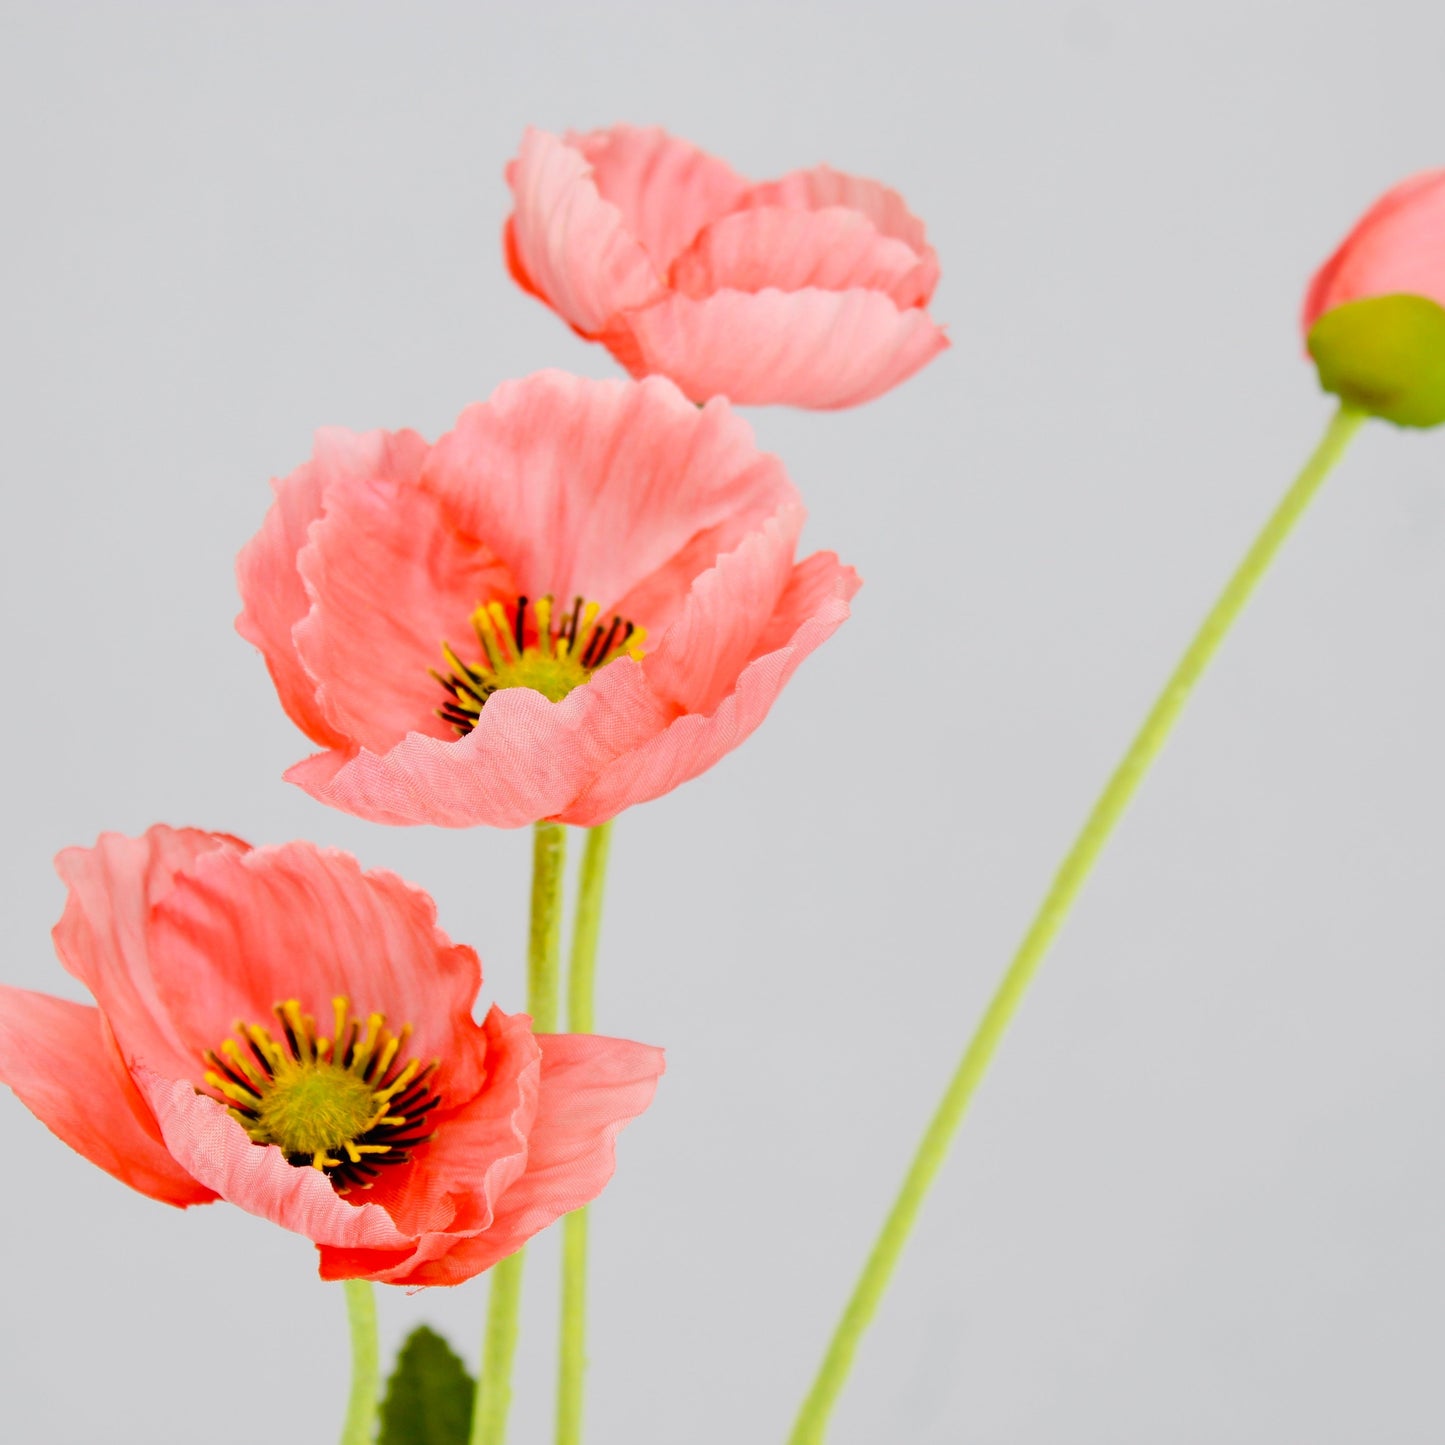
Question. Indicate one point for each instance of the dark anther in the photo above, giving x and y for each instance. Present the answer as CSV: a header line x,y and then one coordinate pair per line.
x,y
517,626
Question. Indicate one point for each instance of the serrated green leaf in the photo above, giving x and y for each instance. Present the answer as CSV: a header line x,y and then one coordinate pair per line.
x,y
1385,355
429,1396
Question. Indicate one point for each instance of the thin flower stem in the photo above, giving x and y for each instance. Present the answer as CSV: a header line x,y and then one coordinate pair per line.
x,y
813,1417
360,1426
580,977
544,963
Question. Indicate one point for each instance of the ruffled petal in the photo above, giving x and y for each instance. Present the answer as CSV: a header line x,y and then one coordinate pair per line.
x,y
591,1087
697,662
822,186
811,610
237,935
273,592
595,488
479,1151
833,248
390,581
1397,246
666,189
215,1149
526,759
62,1063
571,246
103,937
811,348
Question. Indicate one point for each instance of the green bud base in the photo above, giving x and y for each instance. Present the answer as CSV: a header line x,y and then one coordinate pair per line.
x,y
1385,356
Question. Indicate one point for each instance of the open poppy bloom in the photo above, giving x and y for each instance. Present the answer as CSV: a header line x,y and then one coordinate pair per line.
x,y
275,1027
582,596
1374,314
810,290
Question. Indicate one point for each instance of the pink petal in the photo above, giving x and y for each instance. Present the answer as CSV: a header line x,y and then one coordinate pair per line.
x,y
697,662
103,936
666,189
604,489
214,1147
572,246
822,186
811,610
812,348
526,759
1397,246
62,1064
833,248
389,582
591,1087
238,935
273,592
455,1181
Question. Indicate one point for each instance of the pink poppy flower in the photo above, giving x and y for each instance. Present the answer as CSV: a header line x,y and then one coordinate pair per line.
x,y
1374,314
809,290
275,1027
582,596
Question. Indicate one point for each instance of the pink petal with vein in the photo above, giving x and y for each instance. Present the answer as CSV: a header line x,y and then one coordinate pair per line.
x,y
604,489
834,248
526,759
812,348
390,581
813,607
237,935
666,189
103,936
215,1149
591,1088
62,1063
572,246
699,658
272,590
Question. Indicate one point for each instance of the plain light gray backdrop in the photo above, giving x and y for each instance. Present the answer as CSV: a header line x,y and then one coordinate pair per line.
x,y
1200,1197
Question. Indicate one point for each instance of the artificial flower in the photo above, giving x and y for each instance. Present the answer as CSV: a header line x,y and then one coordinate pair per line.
x,y
582,596
810,290
1374,314
278,1028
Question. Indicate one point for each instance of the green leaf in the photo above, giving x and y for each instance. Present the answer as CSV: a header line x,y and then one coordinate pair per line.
x,y
429,1396
1385,355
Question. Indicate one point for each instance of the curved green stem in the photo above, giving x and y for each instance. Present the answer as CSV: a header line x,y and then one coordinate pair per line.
x,y
573,1365
360,1426
813,1417
544,962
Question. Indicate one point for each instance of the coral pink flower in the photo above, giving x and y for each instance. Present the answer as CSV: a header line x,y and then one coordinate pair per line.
x,y
1396,248
579,598
809,290
277,1028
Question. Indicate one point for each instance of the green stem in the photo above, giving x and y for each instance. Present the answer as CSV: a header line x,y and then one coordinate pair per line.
x,y
574,1227
813,1417
360,1426
544,962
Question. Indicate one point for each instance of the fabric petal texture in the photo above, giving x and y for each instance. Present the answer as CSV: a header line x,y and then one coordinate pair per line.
x,y
846,268
810,348
281,1029
648,539
62,1063
572,247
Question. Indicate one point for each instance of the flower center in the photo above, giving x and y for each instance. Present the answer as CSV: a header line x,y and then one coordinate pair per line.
x,y
345,1104
549,651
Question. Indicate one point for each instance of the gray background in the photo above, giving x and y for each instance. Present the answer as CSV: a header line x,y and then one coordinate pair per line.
x,y
1200,1199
